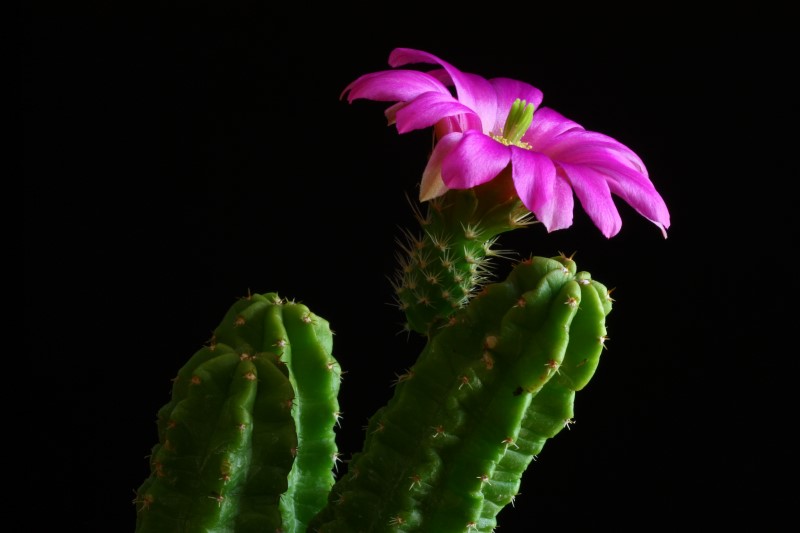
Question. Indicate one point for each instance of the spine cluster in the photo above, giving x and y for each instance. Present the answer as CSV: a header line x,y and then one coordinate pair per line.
x,y
448,260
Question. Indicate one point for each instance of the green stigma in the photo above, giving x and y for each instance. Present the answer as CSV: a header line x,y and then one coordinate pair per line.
x,y
519,120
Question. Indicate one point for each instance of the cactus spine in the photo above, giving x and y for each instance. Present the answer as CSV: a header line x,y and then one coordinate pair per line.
x,y
239,449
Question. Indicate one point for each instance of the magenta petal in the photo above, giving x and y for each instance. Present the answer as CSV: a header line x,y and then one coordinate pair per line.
x,y
391,112
619,166
592,148
473,91
432,184
508,90
563,205
595,196
428,108
477,93
393,85
534,178
639,193
475,160
546,127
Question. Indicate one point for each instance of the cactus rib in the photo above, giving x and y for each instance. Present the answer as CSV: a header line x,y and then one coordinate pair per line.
x,y
229,435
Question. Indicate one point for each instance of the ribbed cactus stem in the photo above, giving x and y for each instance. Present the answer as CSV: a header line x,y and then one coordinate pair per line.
x,y
235,433
443,264
315,376
552,409
446,453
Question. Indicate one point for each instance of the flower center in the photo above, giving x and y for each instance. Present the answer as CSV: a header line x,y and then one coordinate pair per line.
x,y
519,120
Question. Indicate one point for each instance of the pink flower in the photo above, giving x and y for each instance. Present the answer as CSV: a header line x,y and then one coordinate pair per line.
x,y
485,127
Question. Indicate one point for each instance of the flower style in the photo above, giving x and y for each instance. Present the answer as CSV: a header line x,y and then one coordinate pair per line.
x,y
487,127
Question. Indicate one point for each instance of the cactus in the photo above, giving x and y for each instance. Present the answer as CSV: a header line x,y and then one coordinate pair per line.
x,y
246,442
442,265
445,453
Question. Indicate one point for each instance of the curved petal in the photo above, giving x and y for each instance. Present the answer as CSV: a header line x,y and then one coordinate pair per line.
x,y
534,176
564,205
639,193
481,97
508,90
594,195
429,108
393,86
391,112
449,125
472,90
589,146
620,167
548,124
476,159
630,178
432,184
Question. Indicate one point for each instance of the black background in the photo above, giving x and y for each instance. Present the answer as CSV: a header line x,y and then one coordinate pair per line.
x,y
177,157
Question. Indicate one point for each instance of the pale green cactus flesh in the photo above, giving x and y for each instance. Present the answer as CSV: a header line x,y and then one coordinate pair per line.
x,y
492,385
238,449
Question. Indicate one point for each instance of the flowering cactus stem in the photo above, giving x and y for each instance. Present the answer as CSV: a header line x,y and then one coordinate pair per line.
x,y
228,438
442,266
447,452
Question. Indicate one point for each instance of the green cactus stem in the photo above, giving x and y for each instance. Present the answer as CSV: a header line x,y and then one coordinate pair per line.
x,y
315,377
552,409
238,449
446,453
443,265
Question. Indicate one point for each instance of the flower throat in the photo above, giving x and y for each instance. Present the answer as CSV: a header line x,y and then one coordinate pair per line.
x,y
517,123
